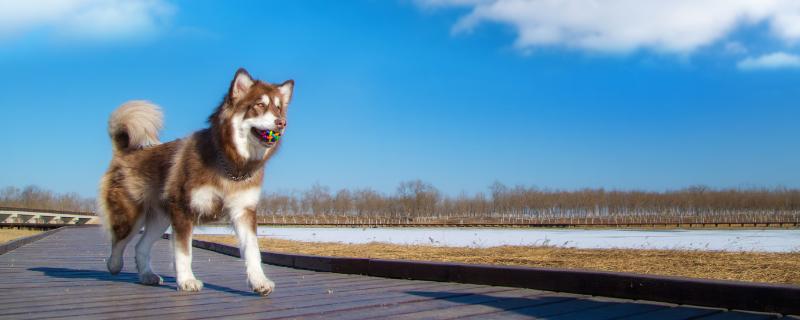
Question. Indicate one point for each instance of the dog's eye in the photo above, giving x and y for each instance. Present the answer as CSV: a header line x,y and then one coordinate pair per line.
x,y
260,105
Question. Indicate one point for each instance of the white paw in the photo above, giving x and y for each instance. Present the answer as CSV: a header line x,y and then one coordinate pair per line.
x,y
261,285
191,285
114,265
151,279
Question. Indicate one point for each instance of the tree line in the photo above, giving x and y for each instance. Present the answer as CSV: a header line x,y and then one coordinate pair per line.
x,y
420,201
33,197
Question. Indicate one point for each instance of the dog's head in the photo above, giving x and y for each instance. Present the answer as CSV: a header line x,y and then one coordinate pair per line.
x,y
251,109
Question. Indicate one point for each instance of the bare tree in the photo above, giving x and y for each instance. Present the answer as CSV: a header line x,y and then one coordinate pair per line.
x,y
419,201
34,197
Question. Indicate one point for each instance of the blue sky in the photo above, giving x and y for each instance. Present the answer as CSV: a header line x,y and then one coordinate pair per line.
x,y
456,93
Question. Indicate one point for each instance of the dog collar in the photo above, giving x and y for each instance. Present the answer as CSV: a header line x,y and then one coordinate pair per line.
x,y
229,172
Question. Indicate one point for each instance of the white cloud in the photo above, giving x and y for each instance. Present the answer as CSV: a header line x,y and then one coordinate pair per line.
x,y
86,19
619,26
776,60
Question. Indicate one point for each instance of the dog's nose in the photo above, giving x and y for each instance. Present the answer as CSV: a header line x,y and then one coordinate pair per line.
x,y
281,123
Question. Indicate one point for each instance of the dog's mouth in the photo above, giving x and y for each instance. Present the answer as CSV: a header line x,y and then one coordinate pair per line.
x,y
266,137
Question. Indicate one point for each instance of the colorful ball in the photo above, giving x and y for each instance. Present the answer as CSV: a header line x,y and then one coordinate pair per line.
x,y
270,136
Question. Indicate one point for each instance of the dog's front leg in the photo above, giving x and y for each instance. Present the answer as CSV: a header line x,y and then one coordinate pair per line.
x,y
182,226
244,222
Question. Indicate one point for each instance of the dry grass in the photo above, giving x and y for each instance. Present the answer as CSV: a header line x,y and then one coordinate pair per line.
x,y
743,266
7,235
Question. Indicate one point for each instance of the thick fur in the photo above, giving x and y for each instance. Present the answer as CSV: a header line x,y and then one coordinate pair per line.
x,y
135,125
214,173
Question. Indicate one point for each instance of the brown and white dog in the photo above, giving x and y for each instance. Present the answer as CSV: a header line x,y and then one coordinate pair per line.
x,y
215,172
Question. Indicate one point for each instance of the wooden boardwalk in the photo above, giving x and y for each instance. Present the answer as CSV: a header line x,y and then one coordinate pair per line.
x,y
64,276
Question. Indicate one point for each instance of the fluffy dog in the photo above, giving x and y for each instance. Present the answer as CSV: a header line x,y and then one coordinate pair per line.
x,y
213,173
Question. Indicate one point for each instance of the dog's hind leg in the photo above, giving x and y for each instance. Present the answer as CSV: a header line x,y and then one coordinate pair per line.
x,y
118,243
155,224
125,222
114,262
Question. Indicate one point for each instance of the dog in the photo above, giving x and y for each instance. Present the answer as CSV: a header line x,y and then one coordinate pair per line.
x,y
214,173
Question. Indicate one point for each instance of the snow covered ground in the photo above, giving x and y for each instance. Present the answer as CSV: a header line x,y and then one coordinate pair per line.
x,y
727,240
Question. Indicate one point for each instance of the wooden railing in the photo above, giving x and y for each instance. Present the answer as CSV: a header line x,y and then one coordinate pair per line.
x,y
42,219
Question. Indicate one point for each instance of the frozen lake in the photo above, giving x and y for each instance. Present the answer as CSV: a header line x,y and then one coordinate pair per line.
x,y
727,240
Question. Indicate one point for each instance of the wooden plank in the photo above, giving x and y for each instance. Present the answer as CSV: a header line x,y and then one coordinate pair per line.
x,y
494,302
292,305
102,281
154,296
675,313
366,303
391,309
477,296
611,311
284,283
546,311
316,280
738,315
202,300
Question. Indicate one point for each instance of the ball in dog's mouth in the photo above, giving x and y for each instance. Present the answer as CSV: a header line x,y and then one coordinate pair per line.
x,y
267,137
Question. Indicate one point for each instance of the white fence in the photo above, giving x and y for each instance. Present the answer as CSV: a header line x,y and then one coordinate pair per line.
x,y
9,216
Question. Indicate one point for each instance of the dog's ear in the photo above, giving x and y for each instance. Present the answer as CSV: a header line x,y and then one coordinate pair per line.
x,y
286,88
241,83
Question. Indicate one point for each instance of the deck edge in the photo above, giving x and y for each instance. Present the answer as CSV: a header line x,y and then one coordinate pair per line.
x,y
739,295
14,244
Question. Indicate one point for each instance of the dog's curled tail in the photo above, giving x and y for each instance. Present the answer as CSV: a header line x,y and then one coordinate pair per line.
x,y
135,125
